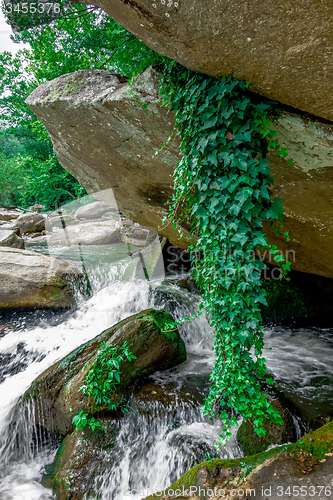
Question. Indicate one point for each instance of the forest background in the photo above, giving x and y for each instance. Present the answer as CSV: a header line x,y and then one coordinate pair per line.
x,y
84,37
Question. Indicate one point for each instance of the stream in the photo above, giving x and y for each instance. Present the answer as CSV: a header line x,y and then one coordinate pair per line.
x,y
150,453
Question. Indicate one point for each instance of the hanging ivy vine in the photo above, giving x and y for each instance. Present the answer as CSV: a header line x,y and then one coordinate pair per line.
x,y
221,189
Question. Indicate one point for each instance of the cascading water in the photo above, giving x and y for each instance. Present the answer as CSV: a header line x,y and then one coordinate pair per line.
x,y
153,449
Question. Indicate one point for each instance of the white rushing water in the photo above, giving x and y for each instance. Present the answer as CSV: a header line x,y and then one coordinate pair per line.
x,y
150,453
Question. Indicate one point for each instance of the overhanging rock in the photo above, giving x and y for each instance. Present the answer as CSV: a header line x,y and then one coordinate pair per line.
x,y
103,135
284,49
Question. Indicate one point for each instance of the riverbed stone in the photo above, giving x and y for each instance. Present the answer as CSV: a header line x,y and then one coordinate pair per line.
x,y
90,233
275,434
8,214
9,238
123,140
306,463
31,222
84,456
93,210
31,280
36,207
58,388
134,235
79,460
59,221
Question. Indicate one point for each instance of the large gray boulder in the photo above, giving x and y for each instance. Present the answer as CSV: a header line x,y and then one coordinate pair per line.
x,y
57,389
93,210
9,238
31,222
90,233
123,139
32,280
9,214
284,49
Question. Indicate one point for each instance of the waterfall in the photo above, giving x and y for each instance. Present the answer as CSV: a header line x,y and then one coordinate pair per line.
x,y
152,448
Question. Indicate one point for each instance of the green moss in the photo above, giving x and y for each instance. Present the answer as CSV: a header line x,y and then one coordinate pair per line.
x,y
240,465
317,443
161,320
69,86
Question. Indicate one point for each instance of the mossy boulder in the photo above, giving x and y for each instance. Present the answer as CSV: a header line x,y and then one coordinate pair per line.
x,y
57,390
306,463
275,434
84,456
79,461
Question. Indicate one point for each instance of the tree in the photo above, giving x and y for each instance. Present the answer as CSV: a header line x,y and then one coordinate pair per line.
x,y
82,38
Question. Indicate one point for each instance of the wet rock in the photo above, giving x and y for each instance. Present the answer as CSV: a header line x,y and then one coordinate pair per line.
x,y
94,210
31,280
9,214
307,463
12,363
79,460
85,456
285,54
135,235
59,221
58,388
275,434
9,238
93,233
150,395
123,139
31,222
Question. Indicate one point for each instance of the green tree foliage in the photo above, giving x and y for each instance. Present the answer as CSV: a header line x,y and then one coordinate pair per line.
x,y
29,170
84,37
222,190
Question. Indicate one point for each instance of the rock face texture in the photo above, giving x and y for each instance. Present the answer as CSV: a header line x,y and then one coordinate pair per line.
x,y
58,388
123,136
31,280
9,214
275,434
9,238
283,49
92,233
123,139
85,456
93,210
31,222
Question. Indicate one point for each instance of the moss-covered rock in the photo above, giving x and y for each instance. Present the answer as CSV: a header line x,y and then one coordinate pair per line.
x,y
306,463
275,434
57,390
84,456
79,461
